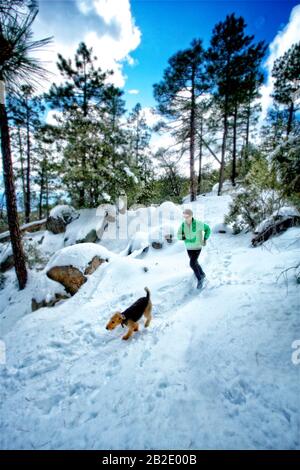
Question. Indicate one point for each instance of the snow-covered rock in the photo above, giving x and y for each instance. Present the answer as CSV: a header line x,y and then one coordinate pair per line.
x,y
139,244
70,265
60,216
46,292
90,226
78,256
64,212
283,213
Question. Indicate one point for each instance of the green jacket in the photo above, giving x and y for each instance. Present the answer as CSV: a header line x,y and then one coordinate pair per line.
x,y
193,234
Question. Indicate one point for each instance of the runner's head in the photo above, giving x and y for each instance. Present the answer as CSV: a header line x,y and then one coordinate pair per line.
x,y
187,215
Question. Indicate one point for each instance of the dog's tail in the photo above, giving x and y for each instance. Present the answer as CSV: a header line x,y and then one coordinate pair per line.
x,y
148,292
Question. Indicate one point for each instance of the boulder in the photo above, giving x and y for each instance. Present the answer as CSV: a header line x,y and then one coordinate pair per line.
x,y
71,278
277,226
91,237
157,245
70,265
169,237
94,264
55,225
60,216
221,228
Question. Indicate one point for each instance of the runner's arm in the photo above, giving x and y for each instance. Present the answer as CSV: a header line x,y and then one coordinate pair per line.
x,y
207,231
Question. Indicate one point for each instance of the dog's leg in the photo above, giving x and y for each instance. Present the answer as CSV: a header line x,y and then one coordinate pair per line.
x,y
147,314
131,326
136,327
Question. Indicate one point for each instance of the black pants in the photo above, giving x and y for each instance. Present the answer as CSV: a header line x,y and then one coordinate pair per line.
x,y
193,254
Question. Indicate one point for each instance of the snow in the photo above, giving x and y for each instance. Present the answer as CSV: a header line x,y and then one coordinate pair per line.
x,y
78,229
131,174
78,255
44,288
106,196
226,186
139,242
64,212
286,211
282,213
212,371
6,251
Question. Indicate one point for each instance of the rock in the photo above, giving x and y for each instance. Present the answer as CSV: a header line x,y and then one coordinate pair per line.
x,y
94,264
169,238
91,237
55,225
70,265
36,305
60,216
157,245
221,228
279,226
71,278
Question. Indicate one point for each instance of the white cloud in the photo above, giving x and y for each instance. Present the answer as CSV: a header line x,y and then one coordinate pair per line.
x,y
151,116
50,117
105,25
114,49
284,39
133,92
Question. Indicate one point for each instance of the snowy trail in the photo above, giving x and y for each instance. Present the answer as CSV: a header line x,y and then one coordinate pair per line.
x,y
213,370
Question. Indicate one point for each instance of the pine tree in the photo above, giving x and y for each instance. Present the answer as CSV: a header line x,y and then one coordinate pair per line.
x,y
16,65
91,132
233,69
47,166
286,72
26,110
78,100
184,81
140,156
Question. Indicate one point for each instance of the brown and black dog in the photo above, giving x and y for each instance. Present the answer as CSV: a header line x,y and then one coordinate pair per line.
x,y
132,314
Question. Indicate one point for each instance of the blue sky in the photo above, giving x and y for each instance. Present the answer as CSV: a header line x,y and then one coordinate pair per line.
x,y
168,26
137,37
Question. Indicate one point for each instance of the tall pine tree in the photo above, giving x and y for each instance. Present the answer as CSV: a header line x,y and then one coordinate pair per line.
x,y
233,69
184,81
286,72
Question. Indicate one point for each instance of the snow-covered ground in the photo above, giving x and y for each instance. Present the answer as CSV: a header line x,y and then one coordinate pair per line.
x,y
213,370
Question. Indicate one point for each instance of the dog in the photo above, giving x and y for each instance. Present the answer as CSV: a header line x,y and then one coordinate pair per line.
x,y
130,316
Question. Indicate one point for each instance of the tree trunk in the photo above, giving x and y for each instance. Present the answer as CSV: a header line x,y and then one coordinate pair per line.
x,y
290,119
193,183
12,212
221,174
248,128
200,156
233,174
41,193
22,166
27,200
47,194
